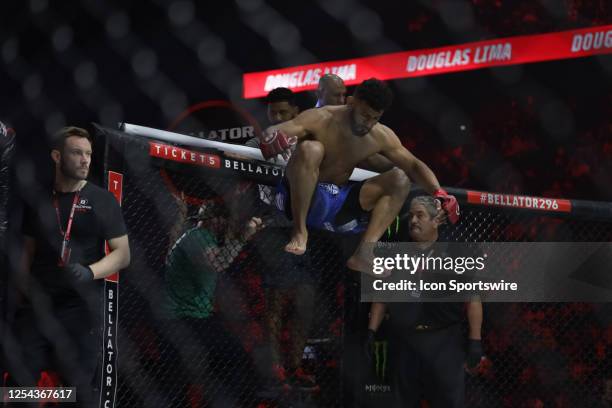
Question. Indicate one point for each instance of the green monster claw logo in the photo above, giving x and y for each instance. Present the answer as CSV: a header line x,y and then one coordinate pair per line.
x,y
380,357
397,225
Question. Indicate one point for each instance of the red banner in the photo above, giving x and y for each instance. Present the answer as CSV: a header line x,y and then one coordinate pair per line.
x,y
115,186
482,54
177,154
516,201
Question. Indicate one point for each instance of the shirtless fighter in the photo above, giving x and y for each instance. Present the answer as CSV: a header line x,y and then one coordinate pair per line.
x,y
331,141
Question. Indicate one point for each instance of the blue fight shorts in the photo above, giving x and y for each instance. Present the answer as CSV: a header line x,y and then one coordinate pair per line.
x,y
333,208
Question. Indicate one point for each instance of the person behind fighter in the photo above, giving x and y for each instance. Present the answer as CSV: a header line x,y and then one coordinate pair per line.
x,y
330,91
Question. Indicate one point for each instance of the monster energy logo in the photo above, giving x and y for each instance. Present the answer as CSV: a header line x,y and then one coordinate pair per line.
x,y
380,359
378,388
390,229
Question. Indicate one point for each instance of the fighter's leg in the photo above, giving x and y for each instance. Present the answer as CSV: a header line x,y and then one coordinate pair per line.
x,y
303,174
384,196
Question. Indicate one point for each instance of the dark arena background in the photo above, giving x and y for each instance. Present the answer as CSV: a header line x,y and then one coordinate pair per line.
x,y
536,127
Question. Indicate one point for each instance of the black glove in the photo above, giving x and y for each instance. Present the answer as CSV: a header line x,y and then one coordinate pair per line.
x,y
474,353
368,345
77,273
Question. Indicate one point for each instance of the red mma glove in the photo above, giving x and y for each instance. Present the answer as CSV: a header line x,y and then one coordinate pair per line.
x,y
449,205
276,143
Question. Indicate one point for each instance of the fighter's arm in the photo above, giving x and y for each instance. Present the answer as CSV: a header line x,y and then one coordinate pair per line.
x,y
279,139
304,124
418,171
392,149
118,258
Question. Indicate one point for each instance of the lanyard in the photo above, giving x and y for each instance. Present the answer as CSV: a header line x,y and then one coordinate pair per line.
x,y
65,252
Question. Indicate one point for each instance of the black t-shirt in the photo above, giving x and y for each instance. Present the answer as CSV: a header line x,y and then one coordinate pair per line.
x,y
436,314
97,218
405,316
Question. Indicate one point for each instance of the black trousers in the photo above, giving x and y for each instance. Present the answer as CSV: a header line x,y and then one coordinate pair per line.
x,y
66,340
429,365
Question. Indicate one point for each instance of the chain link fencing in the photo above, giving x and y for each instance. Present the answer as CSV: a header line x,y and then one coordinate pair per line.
x,y
211,319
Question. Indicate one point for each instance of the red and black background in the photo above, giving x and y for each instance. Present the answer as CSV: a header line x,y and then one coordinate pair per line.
x,y
540,129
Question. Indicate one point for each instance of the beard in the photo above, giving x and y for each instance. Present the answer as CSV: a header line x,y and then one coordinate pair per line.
x,y
72,172
356,128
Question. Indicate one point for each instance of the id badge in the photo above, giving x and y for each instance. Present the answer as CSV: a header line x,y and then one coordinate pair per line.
x,y
65,254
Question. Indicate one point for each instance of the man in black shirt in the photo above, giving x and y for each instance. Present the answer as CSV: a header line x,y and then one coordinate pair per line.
x,y
59,320
427,336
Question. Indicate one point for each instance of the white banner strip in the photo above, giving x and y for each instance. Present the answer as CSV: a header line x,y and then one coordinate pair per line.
x,y
246,151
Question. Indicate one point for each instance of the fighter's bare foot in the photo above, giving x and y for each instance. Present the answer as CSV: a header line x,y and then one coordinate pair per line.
x,y
365,264
297,244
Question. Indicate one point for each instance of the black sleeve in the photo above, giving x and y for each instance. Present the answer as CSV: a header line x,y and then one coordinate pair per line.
x,y
113,225
28,225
